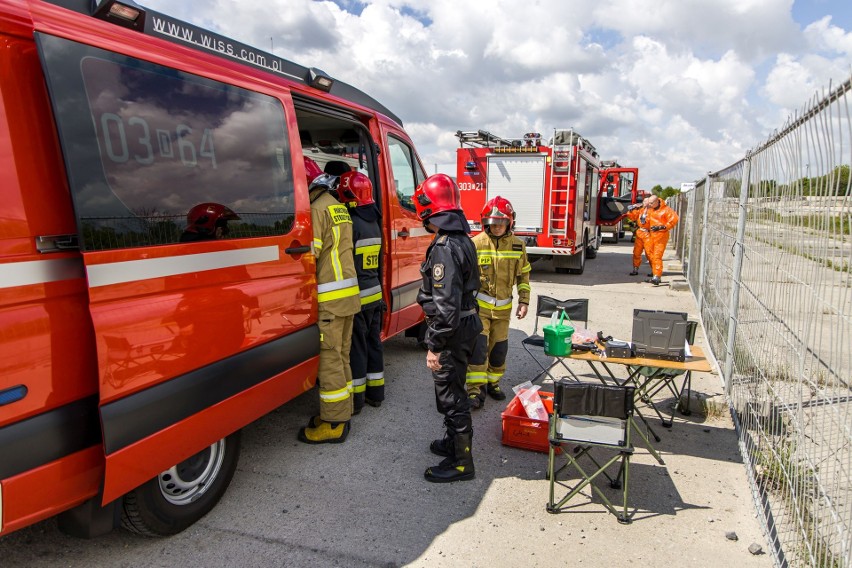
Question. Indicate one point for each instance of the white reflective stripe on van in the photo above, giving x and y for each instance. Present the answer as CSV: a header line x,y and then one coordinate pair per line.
x,y
133,270
414,232
32,272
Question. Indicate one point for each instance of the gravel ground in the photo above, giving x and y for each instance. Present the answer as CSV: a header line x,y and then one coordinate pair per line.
x,y
365,503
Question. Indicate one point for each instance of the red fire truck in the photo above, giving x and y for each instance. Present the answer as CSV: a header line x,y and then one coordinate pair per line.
x,y
619,189
553,188
131,356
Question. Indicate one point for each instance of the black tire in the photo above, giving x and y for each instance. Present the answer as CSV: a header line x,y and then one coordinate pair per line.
x,y
582,253
160,507
592,252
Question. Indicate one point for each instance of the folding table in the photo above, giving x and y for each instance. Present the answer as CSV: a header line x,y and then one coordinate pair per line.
x,y
648,386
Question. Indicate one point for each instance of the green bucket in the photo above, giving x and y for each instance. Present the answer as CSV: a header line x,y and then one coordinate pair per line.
x,y
557,337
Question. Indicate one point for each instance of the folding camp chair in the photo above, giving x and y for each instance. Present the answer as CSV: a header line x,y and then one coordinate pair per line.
x,y
577,310
651,380
592,417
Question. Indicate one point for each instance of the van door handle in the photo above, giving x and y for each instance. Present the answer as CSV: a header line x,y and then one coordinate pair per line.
x,y
298,250
403,233
56,243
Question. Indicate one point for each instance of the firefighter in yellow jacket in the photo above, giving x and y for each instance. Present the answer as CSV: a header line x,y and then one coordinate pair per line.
x,y
338,297
503,265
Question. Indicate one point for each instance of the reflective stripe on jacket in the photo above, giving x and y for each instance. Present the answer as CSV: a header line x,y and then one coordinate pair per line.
x,y
367,234
503,265
337,282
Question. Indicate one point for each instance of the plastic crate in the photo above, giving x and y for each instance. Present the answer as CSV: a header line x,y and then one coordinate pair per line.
x,y
521,431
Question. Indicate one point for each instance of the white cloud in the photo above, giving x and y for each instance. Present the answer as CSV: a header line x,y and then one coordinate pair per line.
x,y
824,37
674,87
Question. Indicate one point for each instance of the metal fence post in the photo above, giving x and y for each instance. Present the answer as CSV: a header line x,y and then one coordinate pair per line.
x,y
739,253
703,228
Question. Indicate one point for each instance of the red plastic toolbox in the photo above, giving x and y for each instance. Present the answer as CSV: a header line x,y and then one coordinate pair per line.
x,y
521,431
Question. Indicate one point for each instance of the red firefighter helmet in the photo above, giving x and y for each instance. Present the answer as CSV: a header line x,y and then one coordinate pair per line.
x,y
355,186
205,217
438,193
496,210
312,170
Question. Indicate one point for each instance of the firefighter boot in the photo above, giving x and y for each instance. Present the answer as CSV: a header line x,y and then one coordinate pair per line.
x,y
477,398
357,402
495,392
324,432
443,447
314,422
458,467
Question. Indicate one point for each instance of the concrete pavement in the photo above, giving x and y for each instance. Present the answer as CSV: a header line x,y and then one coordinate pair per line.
x,y
365,502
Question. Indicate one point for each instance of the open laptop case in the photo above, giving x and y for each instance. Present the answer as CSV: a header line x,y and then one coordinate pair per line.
x,y
659,335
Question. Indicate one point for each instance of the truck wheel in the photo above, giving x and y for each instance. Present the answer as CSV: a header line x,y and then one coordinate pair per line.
x,y
182,494
592,251
581,260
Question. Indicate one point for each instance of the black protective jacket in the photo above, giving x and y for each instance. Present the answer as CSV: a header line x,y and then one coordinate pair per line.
x,y
450,280
367,235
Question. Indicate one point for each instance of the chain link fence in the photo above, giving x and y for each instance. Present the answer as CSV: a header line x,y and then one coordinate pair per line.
x,y
767,250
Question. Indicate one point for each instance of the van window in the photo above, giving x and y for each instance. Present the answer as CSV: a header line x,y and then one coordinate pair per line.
x,y
145,144
407,173
338,143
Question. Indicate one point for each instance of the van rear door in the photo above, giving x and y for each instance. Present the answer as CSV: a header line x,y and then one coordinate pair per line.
x,y
193,238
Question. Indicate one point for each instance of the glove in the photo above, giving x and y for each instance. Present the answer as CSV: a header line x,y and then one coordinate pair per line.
x,y
656,228
634,207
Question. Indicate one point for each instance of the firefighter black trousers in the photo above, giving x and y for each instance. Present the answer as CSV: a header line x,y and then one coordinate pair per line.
x,y
450,392
366,357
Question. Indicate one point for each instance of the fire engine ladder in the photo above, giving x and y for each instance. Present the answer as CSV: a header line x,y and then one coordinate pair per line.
x,y
483,139
560,185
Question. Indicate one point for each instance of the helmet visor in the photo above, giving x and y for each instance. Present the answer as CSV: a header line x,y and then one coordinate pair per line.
x,y
495,221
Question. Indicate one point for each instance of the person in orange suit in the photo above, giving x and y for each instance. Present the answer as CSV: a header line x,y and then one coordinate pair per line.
x,y
660,220
637,214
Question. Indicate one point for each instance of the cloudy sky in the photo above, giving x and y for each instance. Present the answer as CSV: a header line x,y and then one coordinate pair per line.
x,y
676,88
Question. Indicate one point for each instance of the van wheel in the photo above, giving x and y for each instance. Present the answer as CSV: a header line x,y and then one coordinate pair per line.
x,y
182,494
